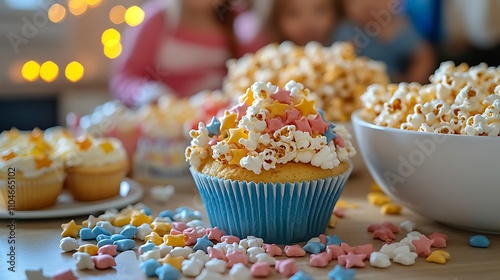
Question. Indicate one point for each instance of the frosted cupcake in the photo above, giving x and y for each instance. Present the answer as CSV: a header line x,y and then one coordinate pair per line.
x,y
95,166
31,175
271,166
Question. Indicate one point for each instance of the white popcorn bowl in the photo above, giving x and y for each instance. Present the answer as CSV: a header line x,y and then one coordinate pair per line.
x,y
357,160
451,179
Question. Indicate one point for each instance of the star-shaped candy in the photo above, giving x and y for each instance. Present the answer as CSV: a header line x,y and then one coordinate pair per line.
x,y
340,273
235,134
175,262
240,110
168,272
248,98
439,240
213,127
165,249
339,212
68,244
352,260
318,125
83,261
236,257
148,246
178,240
314,247
70,229
333,240
161,228
264,257
438,256
253,252
42,161
240,272
423,246
149,267
381,260
287,267
302,124
281,95
294,251
103,261
191,236
301,275
276,109
273,250
192,267
347,248
199,255
155,238
107,147
306,107
334,251
228,121
83,143
215,254
180,226
36,275
216,265
237,155
405,258
383,234
215,234
143,231
330,135
274,124
407,226
230,239
292,115
154,254
91,221
260,270
139,217
319,260
203,243
366,249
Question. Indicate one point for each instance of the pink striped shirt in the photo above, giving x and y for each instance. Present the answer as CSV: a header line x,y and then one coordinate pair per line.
x,y
183,60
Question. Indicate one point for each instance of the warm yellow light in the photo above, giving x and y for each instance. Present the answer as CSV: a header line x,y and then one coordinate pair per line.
x,y
49,71
117,14
57,13
110,34
77,7
74,71
30,71
112,49
94,3
134,16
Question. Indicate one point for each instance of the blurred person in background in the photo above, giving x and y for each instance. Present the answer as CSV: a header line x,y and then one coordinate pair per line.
x,y
301,21
181,49
381,31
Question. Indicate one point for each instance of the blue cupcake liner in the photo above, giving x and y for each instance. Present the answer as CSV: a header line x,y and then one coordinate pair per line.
x,y
280,213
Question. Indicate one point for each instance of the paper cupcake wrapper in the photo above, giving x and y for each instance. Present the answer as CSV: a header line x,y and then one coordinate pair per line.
x,y
280,213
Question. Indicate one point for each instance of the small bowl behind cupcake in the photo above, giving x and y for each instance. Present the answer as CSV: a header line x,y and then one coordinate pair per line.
x,y
452,179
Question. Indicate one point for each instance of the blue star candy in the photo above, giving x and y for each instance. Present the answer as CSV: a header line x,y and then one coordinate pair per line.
x,y
124,244
167,213
87,234
97,230
340,273
129,231
203,243
301,275
333,240
104,242
149,267
330,135
314,247
147,247
167,272
213,127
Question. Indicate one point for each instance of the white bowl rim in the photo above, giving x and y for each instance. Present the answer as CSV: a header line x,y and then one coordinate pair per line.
x,y
357,119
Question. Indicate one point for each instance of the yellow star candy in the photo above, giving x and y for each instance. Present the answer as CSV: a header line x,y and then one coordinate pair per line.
x,y
391,209
235,134
228,121
90,249
139,217
277,109
175,262
248,97
306,107
70,229
121,220
154,237
333,221
237,155
178,240
84,144
9,156
107,147
161,228
438,256
42,161
378,198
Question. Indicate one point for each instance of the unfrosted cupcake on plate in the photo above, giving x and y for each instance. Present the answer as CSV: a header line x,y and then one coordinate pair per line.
x,y
95,166
31,174
271,166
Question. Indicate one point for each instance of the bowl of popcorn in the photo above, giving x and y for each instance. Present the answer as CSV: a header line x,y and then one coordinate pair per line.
x,y
434,147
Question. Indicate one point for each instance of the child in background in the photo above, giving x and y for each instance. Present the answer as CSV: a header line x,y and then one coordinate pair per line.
x,y
181,48
302,21
379,31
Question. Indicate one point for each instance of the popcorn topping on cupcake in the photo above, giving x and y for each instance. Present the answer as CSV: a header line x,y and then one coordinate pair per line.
x,y
270,126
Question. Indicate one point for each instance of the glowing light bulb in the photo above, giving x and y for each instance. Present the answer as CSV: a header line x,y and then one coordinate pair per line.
x,y
134,16
49,71
56,13
117,14
74,71
94,3
112,49
77,7
30,71
110,34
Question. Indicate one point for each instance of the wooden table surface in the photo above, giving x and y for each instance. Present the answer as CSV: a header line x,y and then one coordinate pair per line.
x,y
37,244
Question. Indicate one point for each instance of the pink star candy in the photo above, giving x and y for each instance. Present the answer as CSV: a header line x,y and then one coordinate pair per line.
x,y
107,250
292,115
352,260
439,240
236,257
240,110
286,267
318,125
180,226
423,246
319,260
366,249
192,236
103,261
273,250
303,125
215,254
339,212
282,96
391,226
260,270
294,251
230,239
339,141
175,232
347,248
322,238
334,251
383,234
215,234
65,275
274,124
